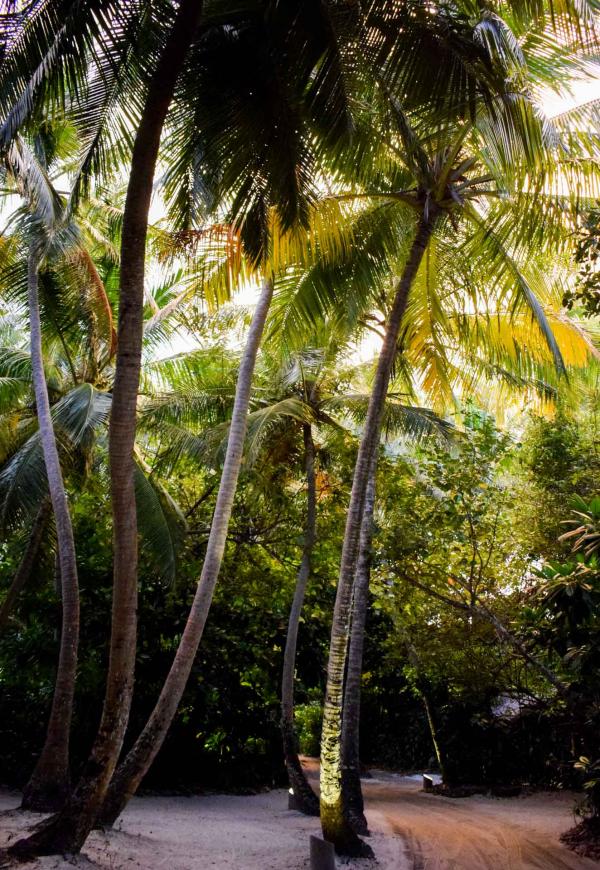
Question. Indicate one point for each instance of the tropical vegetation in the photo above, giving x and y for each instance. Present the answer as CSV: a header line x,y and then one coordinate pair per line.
x,y
299,354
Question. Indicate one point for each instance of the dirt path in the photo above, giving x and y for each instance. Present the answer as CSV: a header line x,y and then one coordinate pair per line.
x,y
477,833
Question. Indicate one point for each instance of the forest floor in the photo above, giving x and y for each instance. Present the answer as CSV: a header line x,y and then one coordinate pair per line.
x,y
411,831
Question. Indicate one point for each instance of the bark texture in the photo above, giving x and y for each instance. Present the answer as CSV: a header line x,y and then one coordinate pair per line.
x,y
352,796
27,563
335,826
307,800
137,762
49,784
68,831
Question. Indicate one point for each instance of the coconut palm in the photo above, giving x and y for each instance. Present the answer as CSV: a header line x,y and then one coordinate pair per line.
x,y
451,175
79,347
280,185
50,781
49,784
70,828
283,169
313,379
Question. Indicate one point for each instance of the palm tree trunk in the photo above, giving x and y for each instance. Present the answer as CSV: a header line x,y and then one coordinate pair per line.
x,y
137,762
49,784
434,736
415,662
352,797
27,562
68,831
306,799
335,826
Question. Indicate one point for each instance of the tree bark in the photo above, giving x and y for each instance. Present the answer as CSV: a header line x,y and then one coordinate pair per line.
x,y
352,796
27,562
68,831
49,784
307,800
137,762
334,823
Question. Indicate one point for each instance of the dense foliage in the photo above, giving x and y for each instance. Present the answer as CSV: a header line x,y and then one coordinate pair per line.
x,y
233,531
495,719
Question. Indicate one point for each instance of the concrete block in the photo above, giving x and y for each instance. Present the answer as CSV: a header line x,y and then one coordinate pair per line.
x,y
322,855
293,801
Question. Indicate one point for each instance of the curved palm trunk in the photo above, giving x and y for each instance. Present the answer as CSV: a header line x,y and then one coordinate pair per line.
x,y
49,784
137,762
27,562
306,799
352,796
68,831
335,826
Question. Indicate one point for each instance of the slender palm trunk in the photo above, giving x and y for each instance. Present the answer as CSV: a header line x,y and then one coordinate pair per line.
x,y
49,784
437,748
27,562
352,796
415,662
335,826
137,762
306,799
68,831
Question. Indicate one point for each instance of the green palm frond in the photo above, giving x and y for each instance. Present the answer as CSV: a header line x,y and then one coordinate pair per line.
x,y
79,414
161,522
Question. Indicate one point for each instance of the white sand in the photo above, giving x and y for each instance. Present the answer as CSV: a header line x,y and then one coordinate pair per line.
x,y
181,833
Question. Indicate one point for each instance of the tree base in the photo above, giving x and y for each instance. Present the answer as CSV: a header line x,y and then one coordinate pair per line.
x,y
584,838
358,823
355,849
46,793
45,802
304,798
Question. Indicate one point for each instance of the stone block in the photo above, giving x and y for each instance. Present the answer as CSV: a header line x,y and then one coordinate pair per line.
x,y
322,855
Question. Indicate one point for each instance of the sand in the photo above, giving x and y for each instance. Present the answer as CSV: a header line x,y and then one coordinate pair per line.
x,y
411,831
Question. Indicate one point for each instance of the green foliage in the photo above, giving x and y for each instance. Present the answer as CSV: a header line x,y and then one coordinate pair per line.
x,y
308,719
586,293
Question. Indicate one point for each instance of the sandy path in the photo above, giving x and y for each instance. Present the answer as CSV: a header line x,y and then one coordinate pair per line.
x,y
211,832
477,833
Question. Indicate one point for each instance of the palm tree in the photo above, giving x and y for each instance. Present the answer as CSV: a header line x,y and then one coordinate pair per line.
x,y
49,784
350,737
80,324
283,170
312,379
306,799
445,187
270,189
134,767
69,829
50,781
